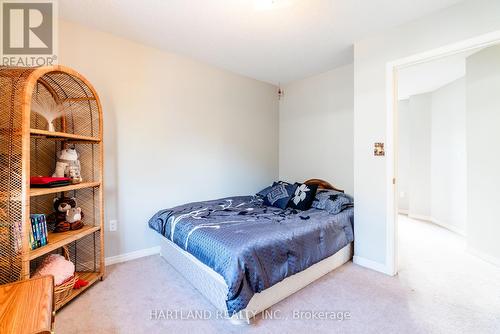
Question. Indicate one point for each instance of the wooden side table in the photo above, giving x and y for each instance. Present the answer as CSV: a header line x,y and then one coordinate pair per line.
x,y
27,306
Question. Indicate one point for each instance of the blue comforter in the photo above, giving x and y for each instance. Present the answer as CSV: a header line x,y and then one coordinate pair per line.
x,y
253,246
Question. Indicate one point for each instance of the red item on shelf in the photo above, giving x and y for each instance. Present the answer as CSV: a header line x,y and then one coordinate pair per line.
x,y
80,283
49,181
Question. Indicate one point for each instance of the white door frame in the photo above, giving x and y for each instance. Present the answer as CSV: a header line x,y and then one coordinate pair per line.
x,y
392,130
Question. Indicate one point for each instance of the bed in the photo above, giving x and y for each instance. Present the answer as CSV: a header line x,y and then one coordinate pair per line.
x,y
244,256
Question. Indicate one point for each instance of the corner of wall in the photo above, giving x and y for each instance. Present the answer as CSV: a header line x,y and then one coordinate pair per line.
x,y
377,266
131,255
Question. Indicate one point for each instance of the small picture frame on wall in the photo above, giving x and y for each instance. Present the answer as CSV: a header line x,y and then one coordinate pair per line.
x,y
379,150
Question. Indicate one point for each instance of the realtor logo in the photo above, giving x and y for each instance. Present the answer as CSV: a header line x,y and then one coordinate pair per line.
x,y
28,32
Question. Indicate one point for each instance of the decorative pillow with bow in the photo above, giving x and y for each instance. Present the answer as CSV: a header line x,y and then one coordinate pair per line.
x,y
303,196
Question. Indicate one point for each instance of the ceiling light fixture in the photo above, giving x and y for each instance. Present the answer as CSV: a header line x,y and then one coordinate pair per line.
x,y
270,4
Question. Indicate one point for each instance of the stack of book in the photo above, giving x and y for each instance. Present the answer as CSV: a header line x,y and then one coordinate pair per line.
x,y
38,232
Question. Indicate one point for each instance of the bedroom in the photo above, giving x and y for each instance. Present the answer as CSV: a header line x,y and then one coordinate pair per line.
x,y
191,113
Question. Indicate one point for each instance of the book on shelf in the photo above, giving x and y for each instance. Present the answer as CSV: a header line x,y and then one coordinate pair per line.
x,y
38,231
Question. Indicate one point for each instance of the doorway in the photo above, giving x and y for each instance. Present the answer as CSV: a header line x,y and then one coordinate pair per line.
x,y
393,72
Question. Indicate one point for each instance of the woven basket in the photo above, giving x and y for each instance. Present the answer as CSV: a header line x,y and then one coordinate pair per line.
x,y
63,291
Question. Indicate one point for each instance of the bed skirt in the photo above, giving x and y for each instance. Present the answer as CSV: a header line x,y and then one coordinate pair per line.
x,y
212,285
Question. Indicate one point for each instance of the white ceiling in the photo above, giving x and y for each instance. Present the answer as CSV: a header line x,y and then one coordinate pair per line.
x,y
289,40
430,76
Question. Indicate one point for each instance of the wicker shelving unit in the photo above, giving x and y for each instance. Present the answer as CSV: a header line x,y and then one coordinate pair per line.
x,y
27,148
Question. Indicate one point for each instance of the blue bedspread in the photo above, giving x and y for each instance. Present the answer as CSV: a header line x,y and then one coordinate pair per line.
x,y
253,246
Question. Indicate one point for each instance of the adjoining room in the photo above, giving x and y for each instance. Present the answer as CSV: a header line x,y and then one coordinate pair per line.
x,y
447,116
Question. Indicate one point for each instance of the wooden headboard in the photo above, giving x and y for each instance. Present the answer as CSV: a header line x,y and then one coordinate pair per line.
x,y
322,184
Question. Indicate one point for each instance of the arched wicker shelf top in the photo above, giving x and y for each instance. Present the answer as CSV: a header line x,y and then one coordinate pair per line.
x,y
20,87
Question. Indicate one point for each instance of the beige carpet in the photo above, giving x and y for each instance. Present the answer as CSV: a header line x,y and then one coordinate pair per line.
x,y
440,289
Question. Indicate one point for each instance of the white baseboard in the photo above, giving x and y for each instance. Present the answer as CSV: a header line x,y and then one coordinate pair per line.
x,y
449,227
420,217
437,222
483,256
403,211
377,266
132,255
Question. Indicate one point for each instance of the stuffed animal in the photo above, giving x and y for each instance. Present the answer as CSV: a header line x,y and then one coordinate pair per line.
x,y
74,218
66,215
68,165
63,270
57,266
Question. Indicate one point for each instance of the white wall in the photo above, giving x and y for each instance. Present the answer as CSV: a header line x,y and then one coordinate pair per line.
x,y
433,140
449,157
404,154
176,130
483,137
420,155
371,174
316,129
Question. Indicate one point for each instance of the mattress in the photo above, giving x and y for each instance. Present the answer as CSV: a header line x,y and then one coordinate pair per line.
x,y
213,287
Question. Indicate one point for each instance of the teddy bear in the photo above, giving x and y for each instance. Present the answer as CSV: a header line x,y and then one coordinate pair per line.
x,y
68,165
66,216
74,218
